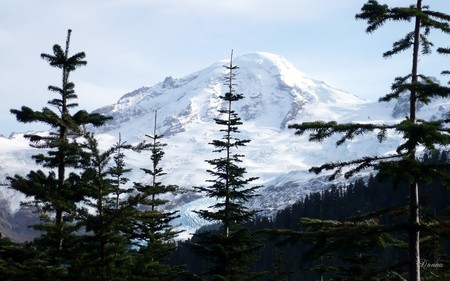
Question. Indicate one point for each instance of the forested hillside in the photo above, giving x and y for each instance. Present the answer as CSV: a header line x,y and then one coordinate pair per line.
x,y
289,255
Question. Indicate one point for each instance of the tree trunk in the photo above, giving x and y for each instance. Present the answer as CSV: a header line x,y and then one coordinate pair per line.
x,y
414,245
414,219
62,150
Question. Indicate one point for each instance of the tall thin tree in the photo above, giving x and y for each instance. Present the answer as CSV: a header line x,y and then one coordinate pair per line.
x,y
54,194
153,230
104,249
118,170
233,247
404,164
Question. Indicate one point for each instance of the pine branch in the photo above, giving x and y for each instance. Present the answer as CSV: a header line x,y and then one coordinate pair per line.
x,y
427,133
444,51
361,164
321,130
374,13
377,14
401,45
436,20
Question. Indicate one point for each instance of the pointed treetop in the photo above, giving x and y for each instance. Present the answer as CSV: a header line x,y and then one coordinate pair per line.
x,y
60,58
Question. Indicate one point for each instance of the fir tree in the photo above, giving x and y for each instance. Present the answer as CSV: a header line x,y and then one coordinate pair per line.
x,y
54,192
118,171
232,248
404,164
152,230
103,252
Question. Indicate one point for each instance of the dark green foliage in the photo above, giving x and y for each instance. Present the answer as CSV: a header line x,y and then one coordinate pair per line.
x,y
425,88
230,249
228,254
444,51
103,250
57,192
377,14
118,170
430,135
229,183
403,164
92,226
353,220
151,229
25,262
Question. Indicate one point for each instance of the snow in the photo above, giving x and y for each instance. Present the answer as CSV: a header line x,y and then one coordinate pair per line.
x,y
276,95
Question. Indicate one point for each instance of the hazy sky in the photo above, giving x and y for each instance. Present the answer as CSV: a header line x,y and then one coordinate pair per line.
x,y
132,43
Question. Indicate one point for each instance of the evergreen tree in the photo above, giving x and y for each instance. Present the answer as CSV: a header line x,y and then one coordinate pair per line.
x,y
232,248
347,237
118,171
404,164
152,231
54,192
103,251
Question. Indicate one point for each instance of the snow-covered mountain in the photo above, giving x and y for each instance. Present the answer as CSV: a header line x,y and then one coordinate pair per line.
x,y
276,94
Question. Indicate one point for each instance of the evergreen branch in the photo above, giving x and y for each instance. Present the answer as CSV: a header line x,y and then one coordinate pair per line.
x,y
389,97
391,211
60,60
426,45
57,59
343,232
405,13
377,14
425,89
426,133
321,130
374,13
401,45
444,51
436,20
27,115
76,61
56,89
361,164
82,117
438,15
396,90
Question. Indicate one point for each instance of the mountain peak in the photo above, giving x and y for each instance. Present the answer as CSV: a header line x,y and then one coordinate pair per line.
x,y
275,92
274,64
263,59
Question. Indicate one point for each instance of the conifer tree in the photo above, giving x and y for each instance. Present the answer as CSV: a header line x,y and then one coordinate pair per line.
x,y
152,228
118,171
103,249
54,192
404,164
232,248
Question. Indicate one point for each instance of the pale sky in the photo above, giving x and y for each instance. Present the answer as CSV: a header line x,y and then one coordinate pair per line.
x,y
135,43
